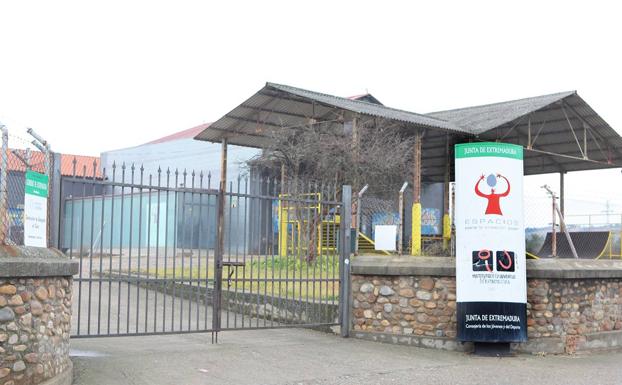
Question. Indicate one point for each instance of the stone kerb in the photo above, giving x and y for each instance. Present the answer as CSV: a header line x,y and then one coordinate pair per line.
x,y
35,315
573,306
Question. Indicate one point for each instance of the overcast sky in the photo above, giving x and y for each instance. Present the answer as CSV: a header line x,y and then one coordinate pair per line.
x,y
91,77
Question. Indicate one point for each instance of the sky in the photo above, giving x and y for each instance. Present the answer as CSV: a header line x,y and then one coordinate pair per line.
x,y
96,76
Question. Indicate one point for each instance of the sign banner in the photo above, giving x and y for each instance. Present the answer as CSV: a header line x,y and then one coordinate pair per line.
x,y
35,209
491,281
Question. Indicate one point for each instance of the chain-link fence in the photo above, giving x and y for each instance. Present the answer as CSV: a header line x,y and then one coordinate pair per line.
x,y
571,233
550,231
395,208
16,158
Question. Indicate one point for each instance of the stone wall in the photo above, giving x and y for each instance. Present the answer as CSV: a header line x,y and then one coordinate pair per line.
x,y
35,318
422,306
570,307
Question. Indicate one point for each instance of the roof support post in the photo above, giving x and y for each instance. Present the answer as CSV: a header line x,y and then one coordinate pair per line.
x,y
283,213
356,149
446,218
415,239
220,242
562,194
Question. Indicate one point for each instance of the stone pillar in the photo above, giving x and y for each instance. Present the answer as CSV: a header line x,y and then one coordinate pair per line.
x,y
35,315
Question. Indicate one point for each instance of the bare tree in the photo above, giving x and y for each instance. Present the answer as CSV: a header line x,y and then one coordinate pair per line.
x,y
379,155
373,152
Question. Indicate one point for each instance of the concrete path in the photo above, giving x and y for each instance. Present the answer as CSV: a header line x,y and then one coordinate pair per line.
x,y
294,356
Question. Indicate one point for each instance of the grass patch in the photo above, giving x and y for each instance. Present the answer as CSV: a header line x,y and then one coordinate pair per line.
x,y
285,277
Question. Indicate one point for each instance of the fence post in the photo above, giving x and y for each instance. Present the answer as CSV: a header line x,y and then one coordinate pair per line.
x,y
359,197
4,196
55,197
344,261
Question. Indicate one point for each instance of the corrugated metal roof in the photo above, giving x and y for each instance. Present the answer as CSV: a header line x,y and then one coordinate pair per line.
x,y
370,109
277,107
478,119
554,122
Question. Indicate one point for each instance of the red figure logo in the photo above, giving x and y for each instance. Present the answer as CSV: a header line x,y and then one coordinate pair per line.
x,y
494,207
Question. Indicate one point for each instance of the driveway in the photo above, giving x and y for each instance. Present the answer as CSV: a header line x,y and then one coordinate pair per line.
x,y
295,356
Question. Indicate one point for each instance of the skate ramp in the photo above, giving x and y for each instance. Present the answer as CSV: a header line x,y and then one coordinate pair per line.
x,y
588,244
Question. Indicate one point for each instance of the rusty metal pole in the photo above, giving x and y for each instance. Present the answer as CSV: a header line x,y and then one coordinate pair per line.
x,y
356,149
220,244
415,248
4,196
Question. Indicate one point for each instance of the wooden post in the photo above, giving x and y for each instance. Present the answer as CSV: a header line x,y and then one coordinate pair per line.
x,y
356,149
220,242
415,248
446,219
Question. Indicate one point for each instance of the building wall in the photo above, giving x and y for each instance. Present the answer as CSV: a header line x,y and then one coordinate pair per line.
x,y
182,154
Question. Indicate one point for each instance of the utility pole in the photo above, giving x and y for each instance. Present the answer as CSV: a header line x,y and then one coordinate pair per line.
x,y
562,224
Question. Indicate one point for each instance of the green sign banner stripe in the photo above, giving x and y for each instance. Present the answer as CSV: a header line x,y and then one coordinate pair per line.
x,y
476,150
36,184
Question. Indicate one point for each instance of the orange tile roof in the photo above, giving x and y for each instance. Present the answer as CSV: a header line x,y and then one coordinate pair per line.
x,y
82,161
37,161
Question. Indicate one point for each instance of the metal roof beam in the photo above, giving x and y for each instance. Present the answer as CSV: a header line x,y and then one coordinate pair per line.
x,y
552,159
299,99
594,129
261,109
225,132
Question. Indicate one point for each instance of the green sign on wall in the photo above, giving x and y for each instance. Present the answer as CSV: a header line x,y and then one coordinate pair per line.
x,y
35,209
36,184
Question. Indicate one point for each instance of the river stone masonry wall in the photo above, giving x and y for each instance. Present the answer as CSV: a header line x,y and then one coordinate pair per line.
x,y
35,316
573,306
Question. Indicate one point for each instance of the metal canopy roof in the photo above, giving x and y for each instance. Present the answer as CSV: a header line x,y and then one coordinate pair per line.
x,y
560,132
277,107
480,119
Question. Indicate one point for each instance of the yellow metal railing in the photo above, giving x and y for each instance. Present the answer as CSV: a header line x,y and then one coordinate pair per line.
x,y
291,227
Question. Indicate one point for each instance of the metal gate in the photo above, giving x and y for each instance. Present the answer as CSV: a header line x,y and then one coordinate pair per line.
x,y
154,260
